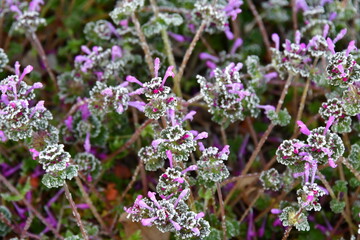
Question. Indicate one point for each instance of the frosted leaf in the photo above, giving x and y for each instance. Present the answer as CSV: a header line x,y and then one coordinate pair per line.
x,y
4,60
354,156
28,22
98,30
308,196
291,217
317,141
351,99
162,22
54,158
5,229
211,167
270,179
282,118
87,163
288,152
125,9
151,158
70,86
172,183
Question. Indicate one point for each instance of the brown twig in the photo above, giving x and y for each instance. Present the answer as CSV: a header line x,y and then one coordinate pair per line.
x,y
143,43
93,209
38,46
250,206
27,226
75,212
177,80
222,210
287,233
262,28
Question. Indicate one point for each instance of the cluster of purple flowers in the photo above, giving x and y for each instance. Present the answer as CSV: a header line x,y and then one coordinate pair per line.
x,y
228,98
22,119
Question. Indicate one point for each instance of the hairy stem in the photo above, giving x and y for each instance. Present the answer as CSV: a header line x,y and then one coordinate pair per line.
x,y
75,212
287,233
262,28
164,37
350,167
143,43
37,45
91,205
222,210
177,80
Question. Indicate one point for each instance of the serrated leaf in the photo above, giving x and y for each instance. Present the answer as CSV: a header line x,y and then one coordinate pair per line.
x,y
337,206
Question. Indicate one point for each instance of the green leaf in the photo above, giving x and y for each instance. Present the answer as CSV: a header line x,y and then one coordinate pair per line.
x,y
340,186
232,228
337,206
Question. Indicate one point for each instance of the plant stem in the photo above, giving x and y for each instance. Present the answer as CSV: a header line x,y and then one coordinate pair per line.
x,y
222,210
262,28
27,226
143,43
165,38
333,196
38,46
91,205
30,207
302,102
177,87
75,212
287,232
304,95
223,135
254,137
250,206
350,167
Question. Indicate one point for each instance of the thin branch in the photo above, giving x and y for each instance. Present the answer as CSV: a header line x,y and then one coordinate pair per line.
x,y
91,205
333,196
287,233
38,46
75,212
27,226
165,38
222,210
177,80
250,206
350,167
261,25
143,43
